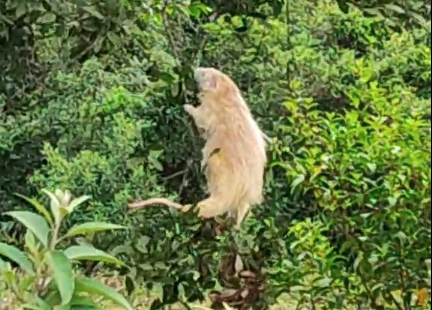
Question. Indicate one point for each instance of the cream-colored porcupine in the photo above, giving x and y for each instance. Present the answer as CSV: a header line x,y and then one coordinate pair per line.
x,y
234,155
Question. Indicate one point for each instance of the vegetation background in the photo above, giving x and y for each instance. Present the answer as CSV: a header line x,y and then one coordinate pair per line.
x,y
91,96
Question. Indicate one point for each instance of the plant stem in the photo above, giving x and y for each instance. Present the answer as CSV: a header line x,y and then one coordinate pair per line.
x,y
54,237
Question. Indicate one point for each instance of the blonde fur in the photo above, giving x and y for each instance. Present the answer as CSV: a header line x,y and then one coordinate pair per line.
x,y
234,155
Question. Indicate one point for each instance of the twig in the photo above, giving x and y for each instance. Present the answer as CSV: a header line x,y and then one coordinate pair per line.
x,y
178,173
169,34
184,181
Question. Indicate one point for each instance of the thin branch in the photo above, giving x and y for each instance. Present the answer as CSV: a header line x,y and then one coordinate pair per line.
x,y
169,34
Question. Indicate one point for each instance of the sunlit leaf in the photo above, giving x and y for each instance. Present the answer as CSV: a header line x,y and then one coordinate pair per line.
x,y
30,241
62,272
93,11
77,201
54,205
46,18
395,8
17,256
83,252
39,304
34,222
299,179
83,303
41,209
97,288
91,227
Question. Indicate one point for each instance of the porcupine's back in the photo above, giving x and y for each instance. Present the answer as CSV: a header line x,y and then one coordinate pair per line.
x,y
235,142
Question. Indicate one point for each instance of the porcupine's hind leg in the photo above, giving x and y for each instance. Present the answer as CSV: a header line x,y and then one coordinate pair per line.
x,y
212,207
241,213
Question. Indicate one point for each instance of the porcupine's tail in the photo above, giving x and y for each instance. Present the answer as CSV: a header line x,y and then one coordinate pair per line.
x,y
138,205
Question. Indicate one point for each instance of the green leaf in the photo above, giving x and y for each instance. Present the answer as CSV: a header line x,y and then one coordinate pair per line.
x,y
175,89
40,305
91,227
20,10
83,303
92,11
34,307
85,307
299,179
26,282
34,222
194,11
62,271
53,297
41,209
392,201
76,202
372,167
30,241
54,205
395,8
46,18
17,256
156,304
428,263
129,285
84,252
4,266
358,260
418,17
94,287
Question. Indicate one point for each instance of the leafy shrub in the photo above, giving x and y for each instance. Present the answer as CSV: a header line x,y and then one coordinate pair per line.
x,y
45,278
366,174
79,128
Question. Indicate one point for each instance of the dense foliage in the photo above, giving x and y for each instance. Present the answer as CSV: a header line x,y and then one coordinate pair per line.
x,y
91,100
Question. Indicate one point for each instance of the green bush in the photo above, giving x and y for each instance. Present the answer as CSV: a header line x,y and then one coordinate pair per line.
x,y
367,176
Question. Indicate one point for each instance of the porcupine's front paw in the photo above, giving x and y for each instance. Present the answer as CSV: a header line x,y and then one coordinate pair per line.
x,y
190,109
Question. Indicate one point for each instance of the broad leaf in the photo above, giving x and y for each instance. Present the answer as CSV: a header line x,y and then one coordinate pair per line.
x,y
84,252
62,271
91,227
39,305
94,287
34,222
30,241
53,297
41,209
83,303
76,202
19,257
395,8
93,11
4,266
299,179
34,307
25,283
47,18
